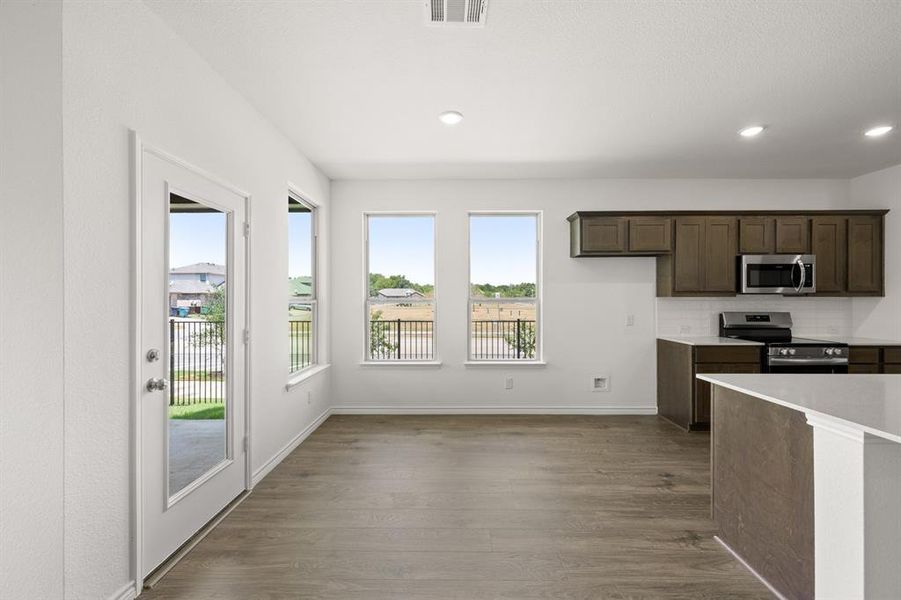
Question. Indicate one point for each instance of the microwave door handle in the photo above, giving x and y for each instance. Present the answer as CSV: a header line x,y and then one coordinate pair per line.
x,y
800,264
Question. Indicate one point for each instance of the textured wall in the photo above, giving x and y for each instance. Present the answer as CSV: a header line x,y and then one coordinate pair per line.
x,y
123,68
32,405
585,300
881,317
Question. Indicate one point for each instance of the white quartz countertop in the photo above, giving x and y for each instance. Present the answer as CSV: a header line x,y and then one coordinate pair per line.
x,y
856,341
868,403
701,340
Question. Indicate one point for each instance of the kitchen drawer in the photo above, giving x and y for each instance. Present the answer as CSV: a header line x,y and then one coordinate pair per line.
x,y
728,354
892,355
892,369
859,369
863,355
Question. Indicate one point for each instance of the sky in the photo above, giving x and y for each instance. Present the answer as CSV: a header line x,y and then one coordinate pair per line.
x,y
300,244
196,237
503,248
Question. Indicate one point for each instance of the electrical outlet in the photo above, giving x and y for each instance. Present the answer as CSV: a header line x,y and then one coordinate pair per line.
x,y
508,383
309,397
630,320
601,383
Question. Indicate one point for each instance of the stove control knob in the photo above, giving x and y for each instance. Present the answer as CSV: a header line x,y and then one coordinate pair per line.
x,y
792,351
829,351
837,352
784,351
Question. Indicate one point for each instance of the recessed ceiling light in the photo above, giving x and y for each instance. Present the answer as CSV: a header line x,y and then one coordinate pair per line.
x,y
878,131
450,117
752,131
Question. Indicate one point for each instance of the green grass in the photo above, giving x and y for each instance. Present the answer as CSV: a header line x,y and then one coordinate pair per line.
x,y
206,410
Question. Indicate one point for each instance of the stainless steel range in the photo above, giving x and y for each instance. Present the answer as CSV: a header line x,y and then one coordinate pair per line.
x,y
784,353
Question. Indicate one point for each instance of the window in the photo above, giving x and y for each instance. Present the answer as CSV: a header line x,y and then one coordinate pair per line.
x,y
302,293
400,287
504,294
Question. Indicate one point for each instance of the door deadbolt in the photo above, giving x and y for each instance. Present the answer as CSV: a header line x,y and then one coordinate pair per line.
x,y
153,355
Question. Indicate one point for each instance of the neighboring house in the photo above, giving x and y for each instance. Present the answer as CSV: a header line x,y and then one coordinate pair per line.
x,y
191,286
399,293
300,289
203,272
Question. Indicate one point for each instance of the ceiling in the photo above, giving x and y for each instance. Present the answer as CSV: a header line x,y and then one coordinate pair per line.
x,y
565,88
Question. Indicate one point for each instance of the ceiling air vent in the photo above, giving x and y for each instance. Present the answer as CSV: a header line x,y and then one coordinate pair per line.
x,y
457,12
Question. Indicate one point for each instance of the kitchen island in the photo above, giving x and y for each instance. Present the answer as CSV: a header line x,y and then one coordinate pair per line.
x,y
806,480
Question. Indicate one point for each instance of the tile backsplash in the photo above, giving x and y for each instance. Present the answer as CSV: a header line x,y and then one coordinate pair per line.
x,y
700,316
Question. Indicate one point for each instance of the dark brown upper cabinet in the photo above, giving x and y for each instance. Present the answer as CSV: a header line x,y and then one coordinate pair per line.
x,y
865,255
792,235
828,242
620,236
704,259
650,234
756,235
603,235
696,251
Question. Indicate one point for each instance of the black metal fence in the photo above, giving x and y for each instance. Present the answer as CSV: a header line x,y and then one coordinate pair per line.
x,y
503,340
399,339
196,362
301,333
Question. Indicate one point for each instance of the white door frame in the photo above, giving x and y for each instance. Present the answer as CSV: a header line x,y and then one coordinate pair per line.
x,y
138,147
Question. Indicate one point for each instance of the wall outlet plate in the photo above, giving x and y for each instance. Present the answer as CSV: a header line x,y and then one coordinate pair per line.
x,y
508,383
600,383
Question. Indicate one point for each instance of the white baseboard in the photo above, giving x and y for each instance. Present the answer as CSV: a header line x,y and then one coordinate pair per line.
x,y
126,592
494,410
289,447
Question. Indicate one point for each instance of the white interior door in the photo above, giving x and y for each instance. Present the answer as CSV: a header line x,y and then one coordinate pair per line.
x,y
192,344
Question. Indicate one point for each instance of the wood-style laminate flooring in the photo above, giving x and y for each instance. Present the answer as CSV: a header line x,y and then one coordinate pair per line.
x,y
474,507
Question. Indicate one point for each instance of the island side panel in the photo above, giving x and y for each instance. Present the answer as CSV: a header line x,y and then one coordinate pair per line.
x,y
674,382
762,486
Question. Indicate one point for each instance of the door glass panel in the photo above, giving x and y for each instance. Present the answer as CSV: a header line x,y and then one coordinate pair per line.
x,y
198,244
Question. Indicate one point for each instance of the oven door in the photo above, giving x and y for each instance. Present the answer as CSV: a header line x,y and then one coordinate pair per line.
x,y
787,274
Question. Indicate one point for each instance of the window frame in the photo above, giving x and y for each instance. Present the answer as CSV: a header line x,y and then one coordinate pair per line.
x,y
368,302
313,300
539,288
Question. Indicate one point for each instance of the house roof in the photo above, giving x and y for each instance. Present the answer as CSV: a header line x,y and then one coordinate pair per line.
x,y
300,286
398,293
202,267
191,287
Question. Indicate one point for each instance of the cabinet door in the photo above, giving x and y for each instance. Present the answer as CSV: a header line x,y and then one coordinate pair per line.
x,y
792,235
603,234
756,235
829,244
864,254
892,369
650,234
688,261
863,369
721,246
703,389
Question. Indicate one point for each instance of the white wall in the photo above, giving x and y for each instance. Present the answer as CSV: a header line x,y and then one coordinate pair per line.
x,y
881,317
31,322
124,68
585,300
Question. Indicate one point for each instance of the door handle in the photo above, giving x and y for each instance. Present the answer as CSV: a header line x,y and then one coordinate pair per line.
x,y
800,264
157,384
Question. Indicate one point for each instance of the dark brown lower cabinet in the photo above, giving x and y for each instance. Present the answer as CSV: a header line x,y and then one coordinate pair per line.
x,y
874,359
681,397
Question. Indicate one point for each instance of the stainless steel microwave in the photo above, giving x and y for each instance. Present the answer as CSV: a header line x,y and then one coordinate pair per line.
x,y
788,274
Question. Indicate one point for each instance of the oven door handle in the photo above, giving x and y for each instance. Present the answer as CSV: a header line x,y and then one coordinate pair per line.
x,y
806,361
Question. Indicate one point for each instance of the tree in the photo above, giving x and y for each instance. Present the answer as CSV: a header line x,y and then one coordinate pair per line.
x,y
379,345
522,339
213,332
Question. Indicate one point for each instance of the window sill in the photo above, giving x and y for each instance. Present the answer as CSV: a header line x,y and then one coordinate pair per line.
x,y
505,363
400,363
303,375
